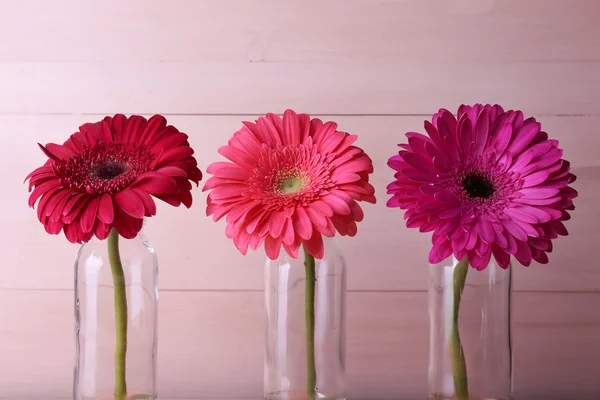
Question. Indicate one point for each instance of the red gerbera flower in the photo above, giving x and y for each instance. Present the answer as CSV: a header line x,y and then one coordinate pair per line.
x,y
290,182
104,175
486,183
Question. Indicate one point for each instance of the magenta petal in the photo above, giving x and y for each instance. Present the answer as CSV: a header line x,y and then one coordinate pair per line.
x,y
485,232
518,214
535,178
450,213
514,229
502,137
419,176
481,132
539,193
524,137
523,254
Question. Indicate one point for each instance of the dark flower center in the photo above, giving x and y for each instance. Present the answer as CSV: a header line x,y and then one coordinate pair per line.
x,y
108,170
104,167
478,186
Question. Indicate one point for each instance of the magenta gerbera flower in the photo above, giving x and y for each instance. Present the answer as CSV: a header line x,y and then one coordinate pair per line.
x,y
289,182
106,175
486,183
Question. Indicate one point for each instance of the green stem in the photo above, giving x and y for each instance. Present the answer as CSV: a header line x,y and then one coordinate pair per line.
x,y
311,374
120,295
457,356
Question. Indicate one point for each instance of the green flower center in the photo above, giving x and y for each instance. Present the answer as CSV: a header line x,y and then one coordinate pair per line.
x,y
291,185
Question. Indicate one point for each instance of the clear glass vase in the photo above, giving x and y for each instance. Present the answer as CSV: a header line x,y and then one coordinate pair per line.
x,y
305,302
470,344
116,304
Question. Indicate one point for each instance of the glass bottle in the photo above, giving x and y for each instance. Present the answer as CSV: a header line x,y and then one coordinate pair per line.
x,y
470,344
289,373
108,368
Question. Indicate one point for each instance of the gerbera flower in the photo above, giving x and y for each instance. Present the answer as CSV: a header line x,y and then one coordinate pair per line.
x,y
288,183
105,175
487,183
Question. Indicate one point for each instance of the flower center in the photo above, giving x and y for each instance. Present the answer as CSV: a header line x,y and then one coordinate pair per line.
x,y
104,167
291,185
108,170
478,186
290,176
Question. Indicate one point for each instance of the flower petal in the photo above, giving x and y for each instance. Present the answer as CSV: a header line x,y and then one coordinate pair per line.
x,y
130,203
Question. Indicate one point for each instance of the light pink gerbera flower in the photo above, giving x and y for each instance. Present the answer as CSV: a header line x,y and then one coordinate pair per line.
x,y
290,182
487,183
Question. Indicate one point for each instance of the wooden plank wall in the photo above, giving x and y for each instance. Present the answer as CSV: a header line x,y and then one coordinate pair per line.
x,y
378,68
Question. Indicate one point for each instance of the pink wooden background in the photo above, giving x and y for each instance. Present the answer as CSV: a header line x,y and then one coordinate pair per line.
x,y
378,67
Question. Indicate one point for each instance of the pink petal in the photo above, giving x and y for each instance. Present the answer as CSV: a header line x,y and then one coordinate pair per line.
x,y
318,219
302,224
338,205
341,178
276,223
268,132
291,128
322,207
358,164
288,235
314,246
272,247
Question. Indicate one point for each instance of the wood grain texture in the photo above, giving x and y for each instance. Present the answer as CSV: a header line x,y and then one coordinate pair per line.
x,y
361,87
405,57
293,31
195,254
378,67
210,345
